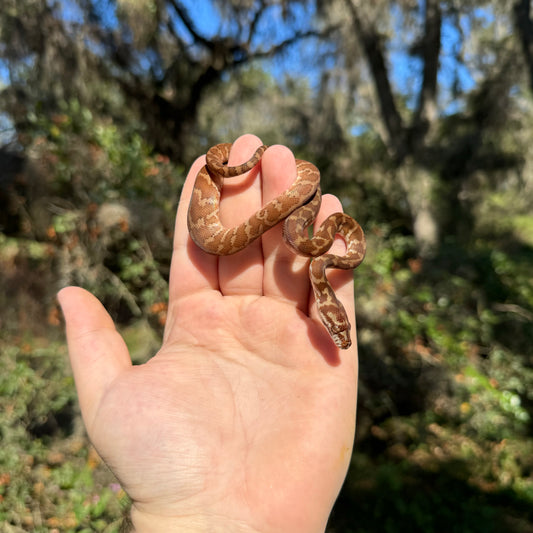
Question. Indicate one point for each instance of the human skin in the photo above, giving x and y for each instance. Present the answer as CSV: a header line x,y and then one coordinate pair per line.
x,y
244,419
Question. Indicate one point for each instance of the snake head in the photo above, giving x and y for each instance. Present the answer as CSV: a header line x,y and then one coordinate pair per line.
x,y
342,339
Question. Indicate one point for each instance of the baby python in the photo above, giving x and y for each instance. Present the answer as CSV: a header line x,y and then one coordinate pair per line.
x,y
297,207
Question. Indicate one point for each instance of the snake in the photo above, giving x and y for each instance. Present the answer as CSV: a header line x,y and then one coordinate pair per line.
x,y
297,207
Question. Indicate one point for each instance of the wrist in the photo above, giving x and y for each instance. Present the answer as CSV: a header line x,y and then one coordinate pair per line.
x,y
147,523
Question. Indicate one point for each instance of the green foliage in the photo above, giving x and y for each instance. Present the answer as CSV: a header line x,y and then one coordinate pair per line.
x,y
491,412
456,358
112,208
49,479
402,497
97,160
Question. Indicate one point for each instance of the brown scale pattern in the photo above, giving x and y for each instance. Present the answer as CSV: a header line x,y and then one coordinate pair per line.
x,y
298,207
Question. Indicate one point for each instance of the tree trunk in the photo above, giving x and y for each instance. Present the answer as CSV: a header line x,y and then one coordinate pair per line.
x,y
407,143
524,27
419,186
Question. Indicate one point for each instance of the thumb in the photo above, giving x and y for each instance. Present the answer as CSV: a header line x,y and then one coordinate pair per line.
x,y
97,352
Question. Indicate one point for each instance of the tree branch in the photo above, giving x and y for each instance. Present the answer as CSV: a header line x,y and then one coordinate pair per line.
x,y
187,21
299,35
255,21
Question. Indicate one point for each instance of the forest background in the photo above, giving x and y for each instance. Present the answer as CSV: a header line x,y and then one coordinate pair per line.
x,y
418,114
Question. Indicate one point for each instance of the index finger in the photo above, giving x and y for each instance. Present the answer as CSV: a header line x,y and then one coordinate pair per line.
x,y
191,269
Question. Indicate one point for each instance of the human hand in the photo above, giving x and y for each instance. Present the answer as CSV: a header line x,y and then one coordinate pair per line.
x,y
244,420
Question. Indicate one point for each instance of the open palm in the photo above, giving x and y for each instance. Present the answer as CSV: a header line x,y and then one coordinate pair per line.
x,y
244,419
